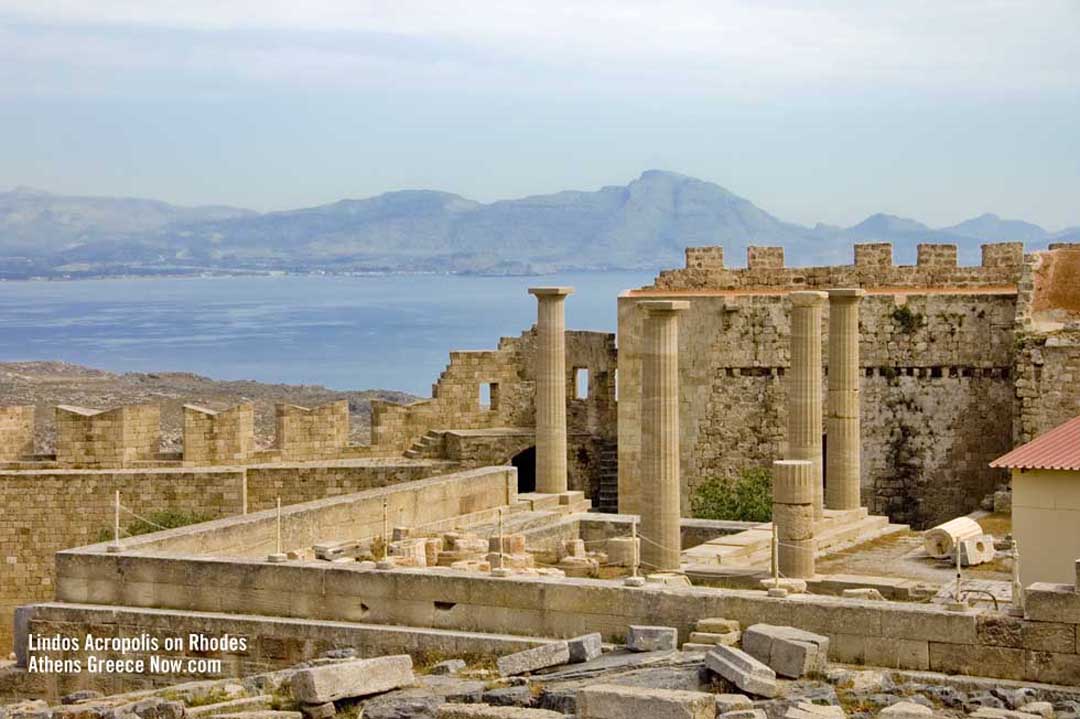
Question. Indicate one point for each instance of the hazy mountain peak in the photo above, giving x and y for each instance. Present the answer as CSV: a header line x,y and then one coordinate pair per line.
x,y
990,227
886,223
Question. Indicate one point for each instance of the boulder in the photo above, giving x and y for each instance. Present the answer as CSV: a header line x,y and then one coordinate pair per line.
x,y
541,657
610,701
357,678
742,670
651,639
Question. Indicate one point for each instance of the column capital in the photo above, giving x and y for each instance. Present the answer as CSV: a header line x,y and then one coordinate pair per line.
x,y
840,294
807,298
663,306
546,292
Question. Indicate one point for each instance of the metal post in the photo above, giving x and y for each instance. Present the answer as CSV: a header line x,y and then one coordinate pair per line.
x,y
384,562
279,555
1017,586
775,556
501,570
634,580
115,546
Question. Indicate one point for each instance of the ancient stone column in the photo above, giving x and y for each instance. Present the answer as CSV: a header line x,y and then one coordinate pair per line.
x,y
661,540
804,386
843,454
551,388
793,516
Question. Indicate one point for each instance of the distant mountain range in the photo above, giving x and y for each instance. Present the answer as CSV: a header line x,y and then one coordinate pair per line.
x,y
643,225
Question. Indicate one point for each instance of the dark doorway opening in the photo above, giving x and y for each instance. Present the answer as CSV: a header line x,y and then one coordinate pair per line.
x,y
525,461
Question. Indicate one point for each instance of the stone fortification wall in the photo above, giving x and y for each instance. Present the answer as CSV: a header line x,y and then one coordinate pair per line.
x,y
937,393
318,433
116,437
302,482
43,512
226,437
16,433
1041,646
510,370
873,266
1048,342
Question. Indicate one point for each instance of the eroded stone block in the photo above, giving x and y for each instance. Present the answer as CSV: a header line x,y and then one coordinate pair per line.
x,y
608,701
651,639
545,655
358,678
742,670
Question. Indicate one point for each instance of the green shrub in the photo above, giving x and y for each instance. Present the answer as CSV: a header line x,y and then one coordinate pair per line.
x,y
167,518
747,499
909,321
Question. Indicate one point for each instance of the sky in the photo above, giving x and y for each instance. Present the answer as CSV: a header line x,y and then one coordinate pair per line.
x,y
816,111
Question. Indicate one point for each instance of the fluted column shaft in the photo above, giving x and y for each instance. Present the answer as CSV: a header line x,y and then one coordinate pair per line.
x,y
660,483
551,388
804,387
793,517
842,425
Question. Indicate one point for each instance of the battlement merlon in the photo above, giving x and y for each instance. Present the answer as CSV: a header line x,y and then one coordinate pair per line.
x,y
873,267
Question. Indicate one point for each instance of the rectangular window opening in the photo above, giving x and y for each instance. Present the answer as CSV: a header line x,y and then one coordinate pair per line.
x,y
489,395
581,383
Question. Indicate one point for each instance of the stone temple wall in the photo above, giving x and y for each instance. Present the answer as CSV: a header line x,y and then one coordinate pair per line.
x,y
937,377
510,371
16,433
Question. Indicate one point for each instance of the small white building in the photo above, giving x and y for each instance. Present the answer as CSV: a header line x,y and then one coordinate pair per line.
x,y
1046,504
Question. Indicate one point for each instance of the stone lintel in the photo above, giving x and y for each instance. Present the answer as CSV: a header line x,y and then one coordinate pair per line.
x,y
808,298
664,305
551,291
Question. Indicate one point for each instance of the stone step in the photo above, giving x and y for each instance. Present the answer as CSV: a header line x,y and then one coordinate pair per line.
x,y
539,501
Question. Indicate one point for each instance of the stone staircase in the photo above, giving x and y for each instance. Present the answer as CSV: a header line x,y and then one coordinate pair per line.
x,y
607,496
430,446
753,548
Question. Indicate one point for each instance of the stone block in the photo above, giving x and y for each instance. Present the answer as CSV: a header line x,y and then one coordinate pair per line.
x,y
609,701
541,657
326,710
732,702
742,670
331,682
1045,602
905,710
806,710
450,666
977,550
730,639
585,648
651,639
717,625
790,652
484,711
865,593
745,714
622,551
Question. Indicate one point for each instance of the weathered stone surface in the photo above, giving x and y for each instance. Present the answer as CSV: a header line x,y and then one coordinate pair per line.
x,y
905,710
610,701
482,711
262,714
546,655
789,651
326,710
717,625
1043,709
80,696
585,648
732,702
650,639
742,670
450,666
992,713
806,710
745,714
352,679
730,639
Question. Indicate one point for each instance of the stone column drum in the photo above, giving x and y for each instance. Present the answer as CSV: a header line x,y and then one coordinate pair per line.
x,y
842,426
804,387
551,388
661,540
793,516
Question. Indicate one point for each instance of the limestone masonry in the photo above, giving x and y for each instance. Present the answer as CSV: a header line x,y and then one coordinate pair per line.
x,y
530,518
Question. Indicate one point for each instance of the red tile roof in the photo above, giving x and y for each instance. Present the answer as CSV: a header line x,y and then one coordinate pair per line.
x,y
1057,449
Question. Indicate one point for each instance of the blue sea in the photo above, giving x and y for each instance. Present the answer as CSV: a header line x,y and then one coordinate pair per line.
x,y
375,332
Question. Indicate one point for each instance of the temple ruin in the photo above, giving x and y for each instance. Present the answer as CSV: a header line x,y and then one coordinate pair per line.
x,y
876,395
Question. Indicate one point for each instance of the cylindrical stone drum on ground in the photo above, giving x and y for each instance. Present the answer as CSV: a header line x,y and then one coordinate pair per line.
x,y
940,542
